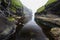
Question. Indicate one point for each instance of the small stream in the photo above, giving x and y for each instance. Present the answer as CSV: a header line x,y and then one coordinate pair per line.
x,y
32,31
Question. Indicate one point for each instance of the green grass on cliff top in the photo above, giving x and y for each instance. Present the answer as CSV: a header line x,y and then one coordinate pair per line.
x,y
18,3
43,7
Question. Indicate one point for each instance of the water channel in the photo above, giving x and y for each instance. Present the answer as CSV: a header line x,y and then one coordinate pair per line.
x,y
32,31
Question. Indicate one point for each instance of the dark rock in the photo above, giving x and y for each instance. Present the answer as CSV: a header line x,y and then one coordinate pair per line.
x,y
49,18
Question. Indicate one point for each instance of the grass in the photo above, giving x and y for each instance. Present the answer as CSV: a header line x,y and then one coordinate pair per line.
x,y
51,1
43,7
16,3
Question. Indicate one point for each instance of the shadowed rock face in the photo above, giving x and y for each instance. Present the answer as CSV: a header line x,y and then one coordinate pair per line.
x,y
49,18
55,32
51,14
6,28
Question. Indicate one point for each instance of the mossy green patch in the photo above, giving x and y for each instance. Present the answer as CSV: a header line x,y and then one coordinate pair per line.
x,y
41,9
16,3
13,9
50,1
11,19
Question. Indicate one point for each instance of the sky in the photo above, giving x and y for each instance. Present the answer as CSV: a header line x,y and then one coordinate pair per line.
x,y
33,4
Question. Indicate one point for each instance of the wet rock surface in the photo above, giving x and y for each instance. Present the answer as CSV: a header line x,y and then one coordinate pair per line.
x,y
12,20
49,19
10,15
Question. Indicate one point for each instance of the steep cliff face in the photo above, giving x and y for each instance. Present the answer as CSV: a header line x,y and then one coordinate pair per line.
x,y
11,8
52,12
43,7
10,12
49,17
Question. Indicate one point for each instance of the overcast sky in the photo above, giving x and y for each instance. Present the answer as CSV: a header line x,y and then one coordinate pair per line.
x,y
33,4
